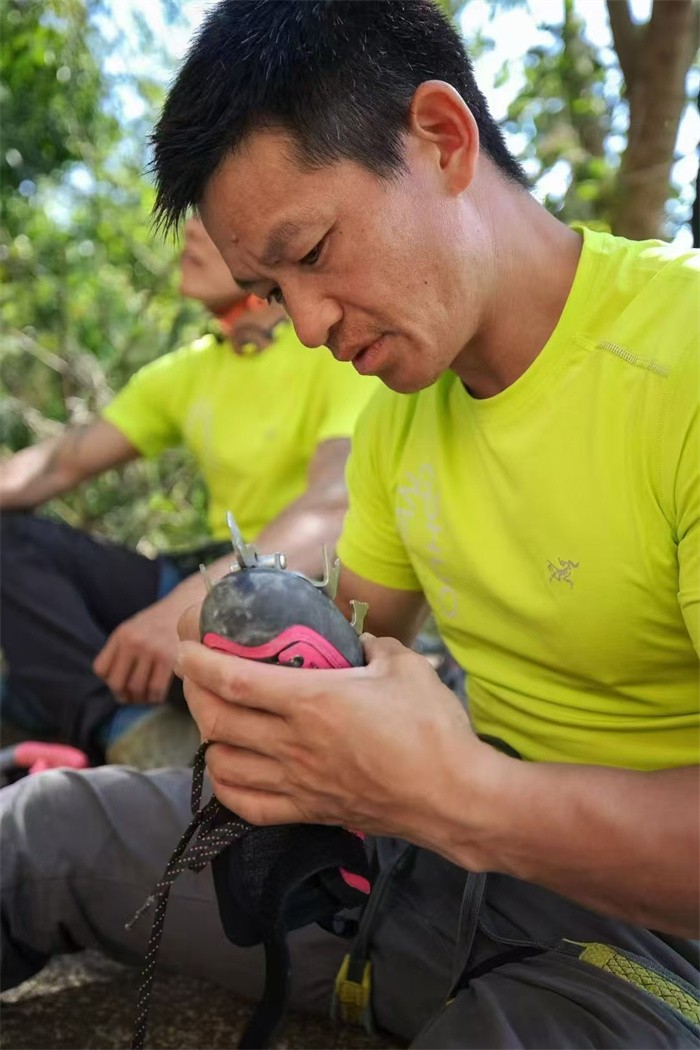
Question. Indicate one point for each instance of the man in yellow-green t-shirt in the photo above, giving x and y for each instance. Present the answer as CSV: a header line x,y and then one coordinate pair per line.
x,y
89,628
531,473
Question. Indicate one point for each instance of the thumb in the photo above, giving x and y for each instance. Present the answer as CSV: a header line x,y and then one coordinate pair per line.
x,y
375,647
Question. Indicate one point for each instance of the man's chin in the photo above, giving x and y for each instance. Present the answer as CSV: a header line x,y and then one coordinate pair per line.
x,y
401,381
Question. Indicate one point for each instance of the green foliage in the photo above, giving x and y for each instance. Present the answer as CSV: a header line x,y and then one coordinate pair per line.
x,y
49,91
567,109
88,294
569,115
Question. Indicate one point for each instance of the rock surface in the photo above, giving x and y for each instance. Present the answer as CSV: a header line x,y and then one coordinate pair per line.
x,y
87,1001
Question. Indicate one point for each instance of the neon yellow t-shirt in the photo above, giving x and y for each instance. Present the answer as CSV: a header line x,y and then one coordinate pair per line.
x,y
555,528
253,422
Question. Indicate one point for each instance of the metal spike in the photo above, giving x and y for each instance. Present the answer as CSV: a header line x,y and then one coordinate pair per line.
x,y
359,611
323,582
246,554
207,581
331,587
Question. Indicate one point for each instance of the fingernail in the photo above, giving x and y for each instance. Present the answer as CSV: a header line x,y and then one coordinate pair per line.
x,y
177,666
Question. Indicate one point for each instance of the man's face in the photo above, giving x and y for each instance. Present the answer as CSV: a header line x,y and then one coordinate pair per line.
x,y
373,269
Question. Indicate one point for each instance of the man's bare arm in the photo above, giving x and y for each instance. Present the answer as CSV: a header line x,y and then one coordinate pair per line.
x,y
392,613
300,531
621,842
58,464
316,517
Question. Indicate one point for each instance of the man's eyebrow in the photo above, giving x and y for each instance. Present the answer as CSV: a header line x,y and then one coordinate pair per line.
x,y
275,249
278,241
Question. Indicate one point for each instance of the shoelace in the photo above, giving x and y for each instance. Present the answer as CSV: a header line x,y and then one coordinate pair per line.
x,y
210,842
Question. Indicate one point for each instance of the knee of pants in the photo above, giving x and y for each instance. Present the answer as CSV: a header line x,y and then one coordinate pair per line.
x,y
22,536
14,526
38,815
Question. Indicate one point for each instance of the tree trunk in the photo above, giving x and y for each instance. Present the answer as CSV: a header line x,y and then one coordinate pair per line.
x,y
655,59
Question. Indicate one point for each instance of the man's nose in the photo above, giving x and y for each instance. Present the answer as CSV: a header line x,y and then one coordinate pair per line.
x,y
313,315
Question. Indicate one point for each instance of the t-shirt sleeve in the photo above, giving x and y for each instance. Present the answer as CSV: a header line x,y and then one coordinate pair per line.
x,y
683,448
370,544
346,394
146,409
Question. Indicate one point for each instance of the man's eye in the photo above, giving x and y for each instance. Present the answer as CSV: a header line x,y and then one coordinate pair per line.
x,y
313,256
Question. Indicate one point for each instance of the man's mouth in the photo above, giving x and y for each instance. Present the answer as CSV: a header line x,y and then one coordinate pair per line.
x,y
368,360
365,358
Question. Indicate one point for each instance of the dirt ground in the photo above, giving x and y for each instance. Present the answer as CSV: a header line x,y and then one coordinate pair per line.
x,y
85,1001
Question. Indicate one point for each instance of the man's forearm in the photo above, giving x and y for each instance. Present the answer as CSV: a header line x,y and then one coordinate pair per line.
x,y
302,529
620,842
31,477
57,464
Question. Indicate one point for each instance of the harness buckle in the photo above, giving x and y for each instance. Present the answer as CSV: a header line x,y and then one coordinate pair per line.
x,y
352,995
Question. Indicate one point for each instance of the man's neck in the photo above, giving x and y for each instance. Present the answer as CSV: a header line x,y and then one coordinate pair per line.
x,y
534,263
249,323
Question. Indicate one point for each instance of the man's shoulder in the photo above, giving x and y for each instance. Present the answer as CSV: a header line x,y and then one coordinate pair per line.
x,y
647,256
192,354
180,362
645,301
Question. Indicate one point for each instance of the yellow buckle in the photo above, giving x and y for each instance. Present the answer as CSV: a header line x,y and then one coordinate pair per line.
x,y
352,999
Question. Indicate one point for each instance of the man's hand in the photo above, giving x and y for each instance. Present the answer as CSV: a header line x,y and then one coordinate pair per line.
x,y
138,658
373,748
388,749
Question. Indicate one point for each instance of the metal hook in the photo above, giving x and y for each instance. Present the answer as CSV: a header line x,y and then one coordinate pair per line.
x,y
359,611
331,575
331,587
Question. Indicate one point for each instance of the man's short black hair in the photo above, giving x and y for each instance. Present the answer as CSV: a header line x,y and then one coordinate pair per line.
x,y
338,75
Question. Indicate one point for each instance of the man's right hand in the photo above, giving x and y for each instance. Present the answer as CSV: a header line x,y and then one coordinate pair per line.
x,y
137,659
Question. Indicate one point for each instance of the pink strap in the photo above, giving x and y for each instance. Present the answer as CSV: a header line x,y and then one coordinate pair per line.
x,y
35,755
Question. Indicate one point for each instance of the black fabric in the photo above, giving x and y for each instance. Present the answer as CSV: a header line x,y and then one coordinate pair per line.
x,y
62,593
282,878
268,881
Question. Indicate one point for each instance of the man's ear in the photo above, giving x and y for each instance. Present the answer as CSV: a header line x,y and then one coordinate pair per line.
x,y
439,115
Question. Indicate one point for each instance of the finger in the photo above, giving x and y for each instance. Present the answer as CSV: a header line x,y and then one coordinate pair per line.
x,y
118,674
136,686
261,808
103,660
250,683
235,767
227,723
188,624
377,647
159,682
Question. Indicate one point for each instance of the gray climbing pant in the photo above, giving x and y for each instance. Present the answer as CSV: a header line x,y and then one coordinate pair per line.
x,y
81,851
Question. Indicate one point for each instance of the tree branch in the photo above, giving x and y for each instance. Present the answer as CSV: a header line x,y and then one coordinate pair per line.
x,y
626,36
